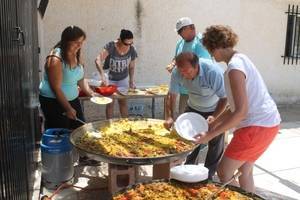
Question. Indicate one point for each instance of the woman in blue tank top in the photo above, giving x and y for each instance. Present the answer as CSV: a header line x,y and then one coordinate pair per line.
x,y
59,87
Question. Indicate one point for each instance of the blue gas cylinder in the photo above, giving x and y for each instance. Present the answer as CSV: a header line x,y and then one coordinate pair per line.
x,y
57,157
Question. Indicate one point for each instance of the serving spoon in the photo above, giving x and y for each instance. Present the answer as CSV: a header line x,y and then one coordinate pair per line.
x,y
222,187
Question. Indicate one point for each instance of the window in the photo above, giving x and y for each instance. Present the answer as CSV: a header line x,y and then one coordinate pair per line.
x,y
292,42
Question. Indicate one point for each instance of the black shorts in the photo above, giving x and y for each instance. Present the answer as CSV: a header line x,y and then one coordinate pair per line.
x,y
53,113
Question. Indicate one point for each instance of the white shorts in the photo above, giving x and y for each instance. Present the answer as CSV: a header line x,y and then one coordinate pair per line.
x,y
121,84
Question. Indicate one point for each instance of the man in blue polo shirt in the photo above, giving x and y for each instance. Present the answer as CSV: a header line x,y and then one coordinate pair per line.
x,y
204,82
189,42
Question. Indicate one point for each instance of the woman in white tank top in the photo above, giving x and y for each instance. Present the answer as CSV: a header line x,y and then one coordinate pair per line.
x,y
252,112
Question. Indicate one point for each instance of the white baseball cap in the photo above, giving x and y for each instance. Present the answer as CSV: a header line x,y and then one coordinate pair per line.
x,y
182,22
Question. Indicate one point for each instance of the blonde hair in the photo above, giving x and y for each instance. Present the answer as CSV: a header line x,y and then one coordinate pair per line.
x,y
219,36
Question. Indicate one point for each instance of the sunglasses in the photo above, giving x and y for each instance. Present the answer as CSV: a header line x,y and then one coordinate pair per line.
x,y
127,44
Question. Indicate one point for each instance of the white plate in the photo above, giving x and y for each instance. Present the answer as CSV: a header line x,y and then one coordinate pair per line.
x,y
189,124
189,173
101,100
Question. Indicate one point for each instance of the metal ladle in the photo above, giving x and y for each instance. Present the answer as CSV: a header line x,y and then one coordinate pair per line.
x,y
76,118
93,129
98,135
79,120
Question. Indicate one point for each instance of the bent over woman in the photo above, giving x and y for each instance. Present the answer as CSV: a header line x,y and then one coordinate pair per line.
x,y
252,113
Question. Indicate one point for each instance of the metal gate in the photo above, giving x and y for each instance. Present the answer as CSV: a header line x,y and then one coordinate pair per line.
x,y
18,97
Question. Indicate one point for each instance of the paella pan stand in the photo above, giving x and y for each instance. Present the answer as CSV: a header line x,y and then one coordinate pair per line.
x,y
127,166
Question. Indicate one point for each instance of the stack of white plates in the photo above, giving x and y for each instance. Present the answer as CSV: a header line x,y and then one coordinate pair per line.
x,y
189,173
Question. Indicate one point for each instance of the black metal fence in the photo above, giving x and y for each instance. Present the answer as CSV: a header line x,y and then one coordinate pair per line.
x,y
292,42
18,97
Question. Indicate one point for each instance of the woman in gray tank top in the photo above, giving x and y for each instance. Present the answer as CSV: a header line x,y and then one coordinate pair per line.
x,y
118,57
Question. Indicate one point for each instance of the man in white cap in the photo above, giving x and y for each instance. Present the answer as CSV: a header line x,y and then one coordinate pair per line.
x,y
189,42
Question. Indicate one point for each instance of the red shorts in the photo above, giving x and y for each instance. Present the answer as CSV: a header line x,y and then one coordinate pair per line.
x,y
249,143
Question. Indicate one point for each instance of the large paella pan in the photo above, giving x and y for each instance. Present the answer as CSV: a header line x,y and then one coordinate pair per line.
x,y
175,190
133,141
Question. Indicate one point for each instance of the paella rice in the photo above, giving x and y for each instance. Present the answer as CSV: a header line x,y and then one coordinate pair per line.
x,y
173,191
133,138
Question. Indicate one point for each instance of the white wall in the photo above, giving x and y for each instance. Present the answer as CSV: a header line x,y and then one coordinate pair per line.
x,y
260,24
